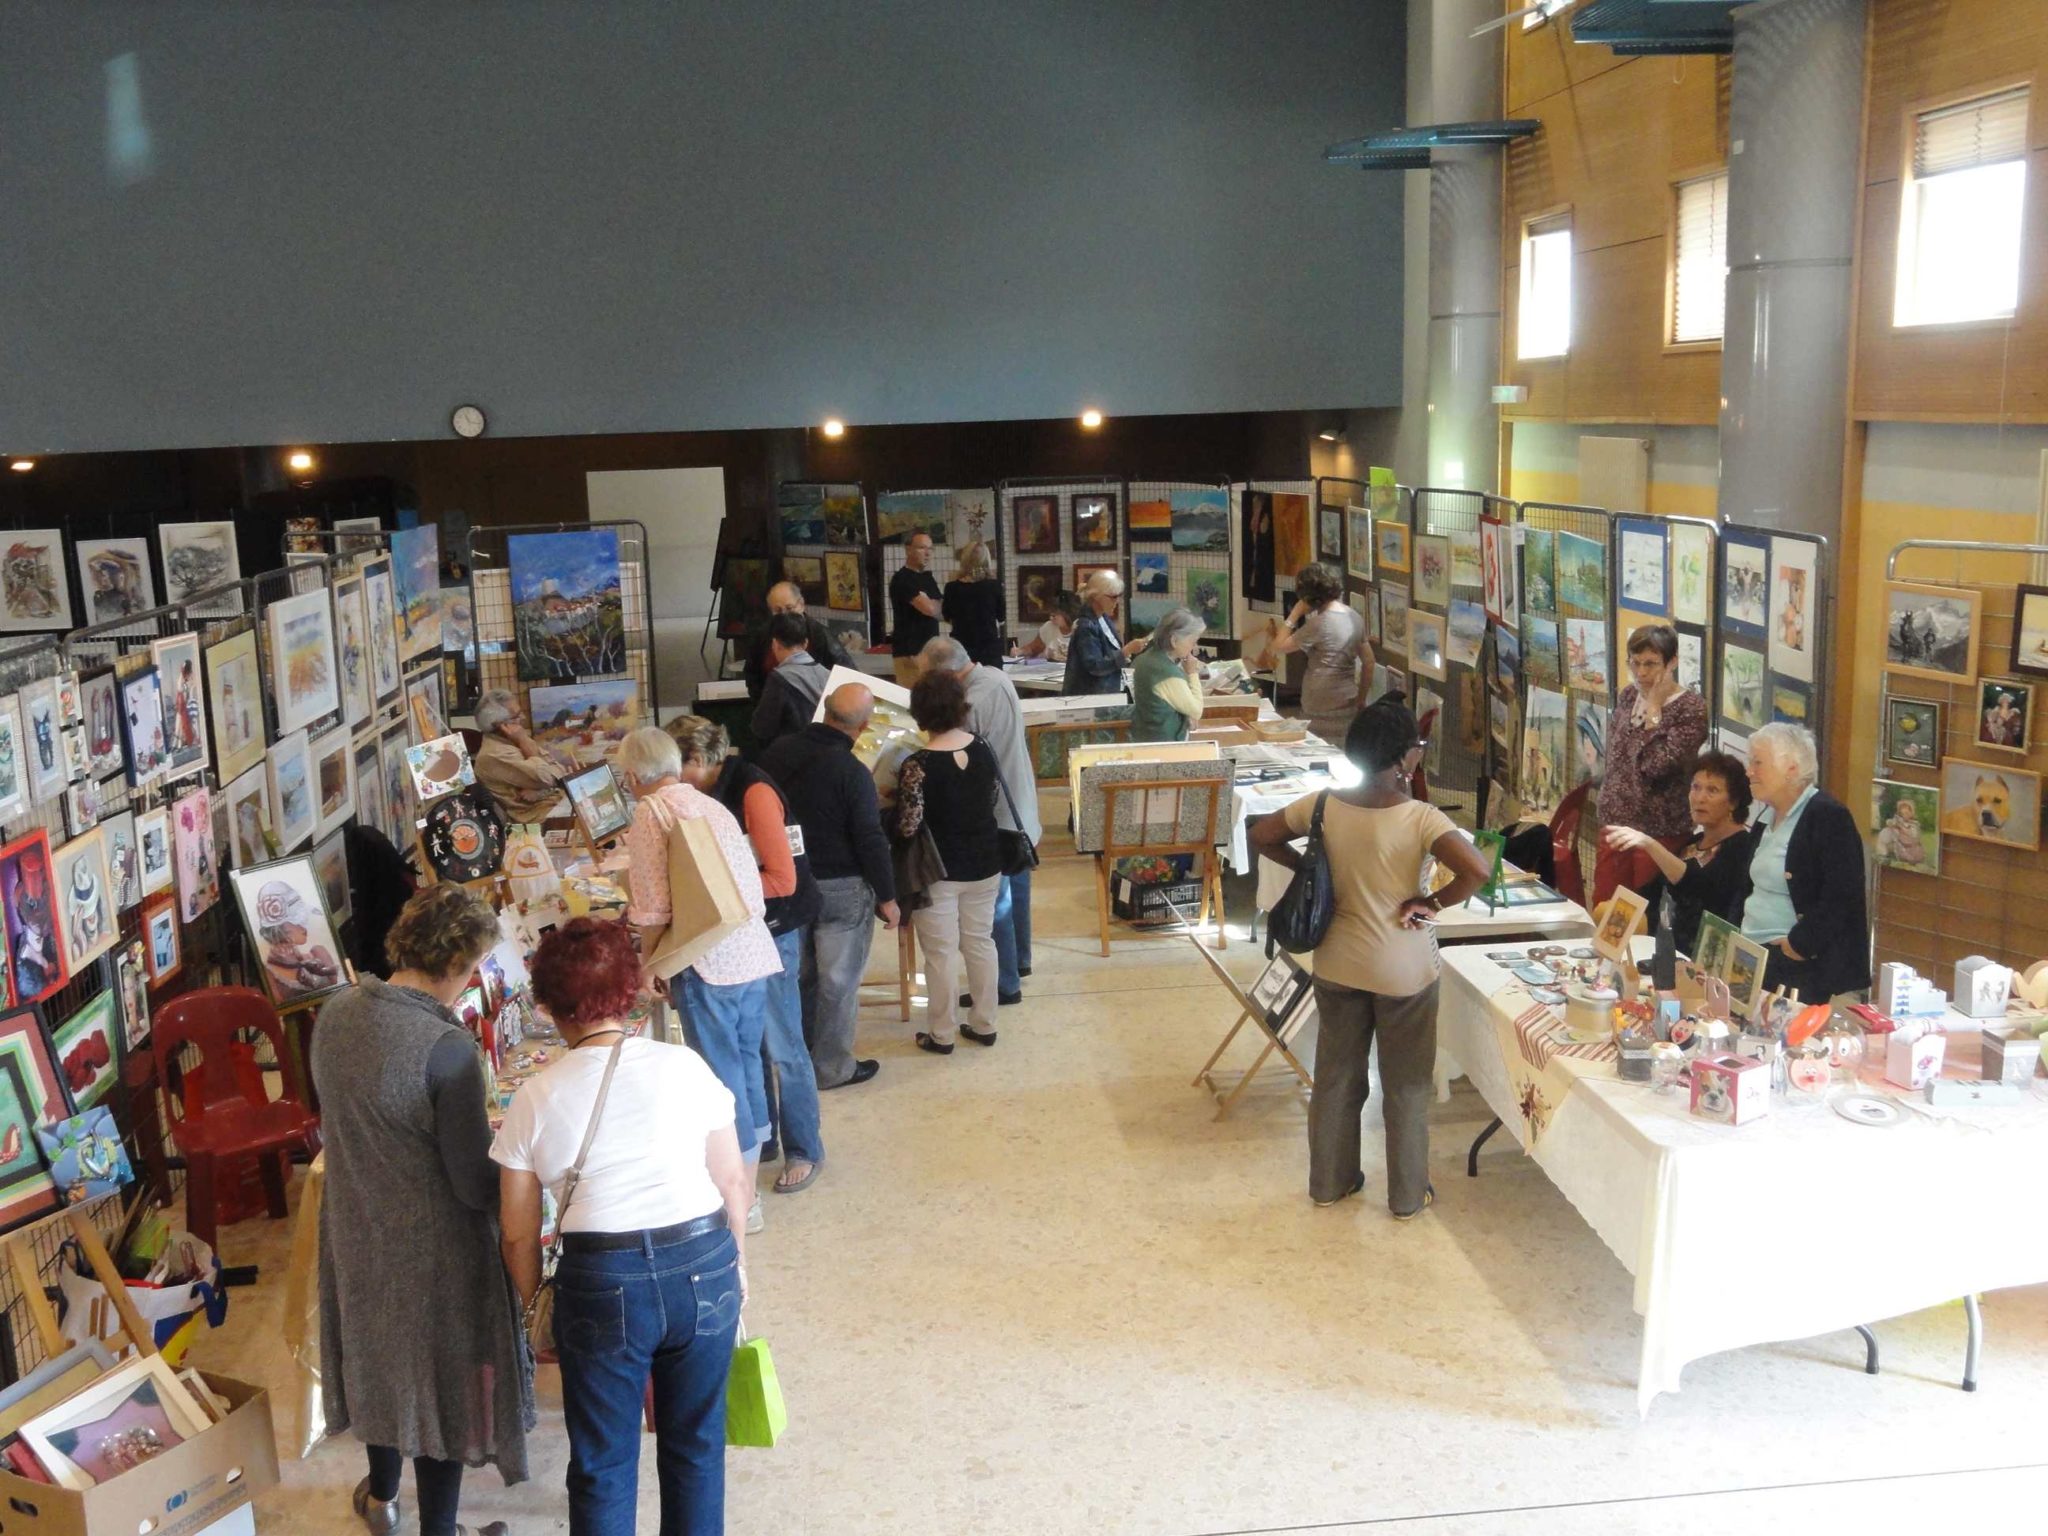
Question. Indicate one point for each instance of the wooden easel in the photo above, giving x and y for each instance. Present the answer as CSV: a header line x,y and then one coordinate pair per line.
x,y
44,1315
1251,1013
1204,846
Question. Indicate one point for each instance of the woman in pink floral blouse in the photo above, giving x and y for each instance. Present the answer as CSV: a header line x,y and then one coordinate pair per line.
x,y
1656,731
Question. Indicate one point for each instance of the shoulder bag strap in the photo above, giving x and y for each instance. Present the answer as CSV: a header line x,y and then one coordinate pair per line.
x,y
575,1177
1009,799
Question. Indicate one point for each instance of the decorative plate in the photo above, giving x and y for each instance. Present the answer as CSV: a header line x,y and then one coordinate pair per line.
x,y
465,840
1869,1109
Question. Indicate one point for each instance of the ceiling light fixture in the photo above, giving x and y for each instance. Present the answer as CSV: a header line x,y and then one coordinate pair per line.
x,y
22,466
834,427
1091,419
299,460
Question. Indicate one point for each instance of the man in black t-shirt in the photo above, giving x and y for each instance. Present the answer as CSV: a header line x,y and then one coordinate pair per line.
x,y
914,599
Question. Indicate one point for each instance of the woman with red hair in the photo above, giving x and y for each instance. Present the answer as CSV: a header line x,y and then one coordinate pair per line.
x,y
651,1220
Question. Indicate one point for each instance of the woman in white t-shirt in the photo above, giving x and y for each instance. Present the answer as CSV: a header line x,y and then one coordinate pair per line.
x,y
1051,639
651,1277
1376,969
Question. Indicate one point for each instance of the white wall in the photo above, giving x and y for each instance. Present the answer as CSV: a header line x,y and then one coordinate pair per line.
x,y
681,510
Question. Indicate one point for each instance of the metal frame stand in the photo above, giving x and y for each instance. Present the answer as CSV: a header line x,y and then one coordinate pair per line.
x,y
1472,1157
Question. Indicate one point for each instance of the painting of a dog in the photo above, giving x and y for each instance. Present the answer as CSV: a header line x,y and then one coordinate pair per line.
x,y
1991,804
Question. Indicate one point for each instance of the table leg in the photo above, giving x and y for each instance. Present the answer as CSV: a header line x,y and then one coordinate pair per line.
x,y
1472,1157
1975,1347
1869,1350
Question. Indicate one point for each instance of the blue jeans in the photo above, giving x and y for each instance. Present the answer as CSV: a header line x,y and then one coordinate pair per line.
x,y
724,1025
620,1317
1013,932
796,1082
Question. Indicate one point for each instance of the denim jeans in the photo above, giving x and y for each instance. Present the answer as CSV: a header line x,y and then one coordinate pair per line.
x,y
835,959
724,1025
620,1317
1013,932
795,1106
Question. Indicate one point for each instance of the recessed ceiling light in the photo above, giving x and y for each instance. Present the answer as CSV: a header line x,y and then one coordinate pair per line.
x,y
299,460
22,466
834,427
1091,419
1328,437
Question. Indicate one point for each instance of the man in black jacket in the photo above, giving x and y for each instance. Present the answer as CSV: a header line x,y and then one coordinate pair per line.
x,y
784,597
791,695
832,800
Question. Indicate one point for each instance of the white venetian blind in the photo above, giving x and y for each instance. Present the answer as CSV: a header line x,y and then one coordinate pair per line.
x,y
1986,131
1699,273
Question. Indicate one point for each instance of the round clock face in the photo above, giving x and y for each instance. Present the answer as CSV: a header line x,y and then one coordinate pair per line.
x,y
468,421
464,840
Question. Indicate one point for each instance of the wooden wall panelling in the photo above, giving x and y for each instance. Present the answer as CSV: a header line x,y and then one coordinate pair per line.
x,y
1541,61
1924,49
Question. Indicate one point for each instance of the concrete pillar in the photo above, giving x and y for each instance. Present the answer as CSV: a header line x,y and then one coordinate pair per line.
x,y
1794,152
1464,250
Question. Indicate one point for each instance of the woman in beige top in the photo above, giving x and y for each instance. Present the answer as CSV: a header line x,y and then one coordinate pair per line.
x,y
1325,629
1376,969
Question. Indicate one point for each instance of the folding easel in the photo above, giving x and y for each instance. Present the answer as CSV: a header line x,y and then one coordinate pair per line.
x,y
45,1316
1203,847
1251,1013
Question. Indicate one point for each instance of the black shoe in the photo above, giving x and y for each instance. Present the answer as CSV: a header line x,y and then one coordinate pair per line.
x,y
966,1000
926,1043
771,1151
1023,970
862,1071
1009,999
969,1032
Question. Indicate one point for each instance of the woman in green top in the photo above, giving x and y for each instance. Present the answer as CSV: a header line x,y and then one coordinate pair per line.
x,y
1167,681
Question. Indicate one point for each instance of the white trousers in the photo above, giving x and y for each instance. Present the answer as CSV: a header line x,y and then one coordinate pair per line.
x,y
960,921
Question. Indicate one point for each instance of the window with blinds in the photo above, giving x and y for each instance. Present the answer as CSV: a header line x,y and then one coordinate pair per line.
x,y
1544,321
1699,259
1960,213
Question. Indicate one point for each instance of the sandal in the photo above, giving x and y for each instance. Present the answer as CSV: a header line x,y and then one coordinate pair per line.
x,y
971,1033
785,1185
926,1043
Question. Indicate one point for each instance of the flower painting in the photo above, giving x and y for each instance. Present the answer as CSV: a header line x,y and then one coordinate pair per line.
x,y
568,617
198,867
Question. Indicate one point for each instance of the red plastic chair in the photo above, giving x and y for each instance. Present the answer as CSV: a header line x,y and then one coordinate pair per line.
x,y
223,1112
1418,781
1564,844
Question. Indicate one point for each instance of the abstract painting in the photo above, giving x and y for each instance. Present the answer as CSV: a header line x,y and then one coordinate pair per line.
x,y
567,612
1742,687
31,1095
1151,521
35,589
1038,590
1038,524
1257,547
416,584
1692,559
1292,544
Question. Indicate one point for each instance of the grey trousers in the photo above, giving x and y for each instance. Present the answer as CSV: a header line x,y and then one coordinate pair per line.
x,y
834,960
1346,1022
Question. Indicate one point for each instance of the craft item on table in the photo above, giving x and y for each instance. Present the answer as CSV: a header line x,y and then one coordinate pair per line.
x,y
439,767
1982,986
1636,1051
1808,1075
1910,1062
1844,1042
1667,1066
530,873
85,1155
1533,974
464,838
1869,1109
1620,920
1955,1093
1698,1036
1589,1012
1903,993
2008,1056
1729,1090
2032,986
602,809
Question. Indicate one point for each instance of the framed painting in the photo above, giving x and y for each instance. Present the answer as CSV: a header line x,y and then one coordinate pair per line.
x,y
304,680
101,701
416,587
285,913
114,575
1390,546
42,731
184,704
131,983
1151,522
1794,584
198,863
1581,576
87,1046
1038,524
84,888
161,950
1201,520
14,795
334,781
1745,585
293,813
2030,631
1905,822
1645,566
35,588
32,904
1432,584
153,847
1912,732
124,860
2005,713
1991,803
1426,644
249,834
1692,563
568,610
330,865
1931,632
1094,521
351,650
1358,552
198,557
807,573
842,582
31,1095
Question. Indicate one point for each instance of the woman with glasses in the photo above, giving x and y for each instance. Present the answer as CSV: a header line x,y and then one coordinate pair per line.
x,y
1376,969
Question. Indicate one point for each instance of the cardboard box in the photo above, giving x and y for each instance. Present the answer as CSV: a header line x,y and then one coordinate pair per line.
x,y
1732,1090
1910,1061
2009,1057
184,1492
1982,986
1148,903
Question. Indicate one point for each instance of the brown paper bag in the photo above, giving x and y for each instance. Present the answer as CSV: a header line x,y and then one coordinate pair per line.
x,y
705,905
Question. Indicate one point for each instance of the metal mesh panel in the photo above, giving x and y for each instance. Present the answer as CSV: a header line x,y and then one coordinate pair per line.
x,y
1777,693
1195,579
1990,897
1460,759
21,1345
497,650
1337,495
808,549
1017,564
890,552
1285,566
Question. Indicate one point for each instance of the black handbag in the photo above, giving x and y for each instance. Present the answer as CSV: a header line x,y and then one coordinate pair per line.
x,y
1018,853
1301,917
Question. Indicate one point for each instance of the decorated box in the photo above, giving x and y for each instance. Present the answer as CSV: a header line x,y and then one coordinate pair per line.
x,y
2009,1056
1733,1090
1912,1062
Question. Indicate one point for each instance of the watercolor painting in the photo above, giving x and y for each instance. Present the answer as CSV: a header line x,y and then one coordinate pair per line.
x,y
289,925
352,650
584,722
330,867
1585,652
334,781
35,588
100,703
1545,757
1540,658
1390,546
1466,636
305,681
249,835
142,725
84,887
1745,587
1358,552
1645,579
1539,569
567,612
1794,582
13,761
198,863
198,556
1394,615
163,949
115,576
416,588
184,701
1582,576
1426,644
1692,558
1742,687
1432,569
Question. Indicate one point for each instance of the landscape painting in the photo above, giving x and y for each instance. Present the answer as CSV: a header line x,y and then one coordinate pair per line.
x,y
1201,519
416,575
585,722
567,614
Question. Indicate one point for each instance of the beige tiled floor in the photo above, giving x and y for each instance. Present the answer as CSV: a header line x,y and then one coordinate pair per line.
x,y
1041,1289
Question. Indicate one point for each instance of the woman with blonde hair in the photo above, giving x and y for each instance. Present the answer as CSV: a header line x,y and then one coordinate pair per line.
x,y
1095,654
420,1346
973,604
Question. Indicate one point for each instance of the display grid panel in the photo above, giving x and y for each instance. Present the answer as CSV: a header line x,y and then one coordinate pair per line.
x,y
891,554
1460,759
1192,575
1784,696
1066,557
808,549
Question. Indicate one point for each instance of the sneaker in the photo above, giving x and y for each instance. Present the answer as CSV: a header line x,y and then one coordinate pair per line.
x,y
1428,1199
755,1220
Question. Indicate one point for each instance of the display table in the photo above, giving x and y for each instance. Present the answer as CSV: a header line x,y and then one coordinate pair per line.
x,y
1469,922
1793,1226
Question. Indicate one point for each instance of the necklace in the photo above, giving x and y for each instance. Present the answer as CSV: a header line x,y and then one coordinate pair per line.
x,y
593,1035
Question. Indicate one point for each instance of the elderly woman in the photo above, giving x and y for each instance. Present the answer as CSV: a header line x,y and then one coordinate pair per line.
x,y
723,994
949,787
1095,656
1712,874
1805,902
651,1279
1376,969
1655,732
973,604
793,903
420,1346
516,769
1329,632
1167,681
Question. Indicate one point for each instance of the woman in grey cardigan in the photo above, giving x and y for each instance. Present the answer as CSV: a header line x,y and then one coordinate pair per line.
x,y
421,1351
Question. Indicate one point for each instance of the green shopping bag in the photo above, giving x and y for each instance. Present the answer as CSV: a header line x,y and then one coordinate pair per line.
x,y
754,1410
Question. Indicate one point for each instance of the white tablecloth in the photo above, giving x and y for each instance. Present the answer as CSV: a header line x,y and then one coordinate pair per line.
x,y
1469,922
1795,1225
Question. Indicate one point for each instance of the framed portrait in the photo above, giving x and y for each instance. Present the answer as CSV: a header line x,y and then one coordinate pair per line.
x,y
153,848
1931,632
142,728
100,700
114,575
33,907
161,953
1905,823
84,888
1038,524
1390,546
184,704
1912,732
2005,714
1991,803
292,931
1094,521
2030,631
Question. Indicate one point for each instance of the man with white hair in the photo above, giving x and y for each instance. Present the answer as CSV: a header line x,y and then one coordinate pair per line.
x,y
996,715
827,652
518,771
